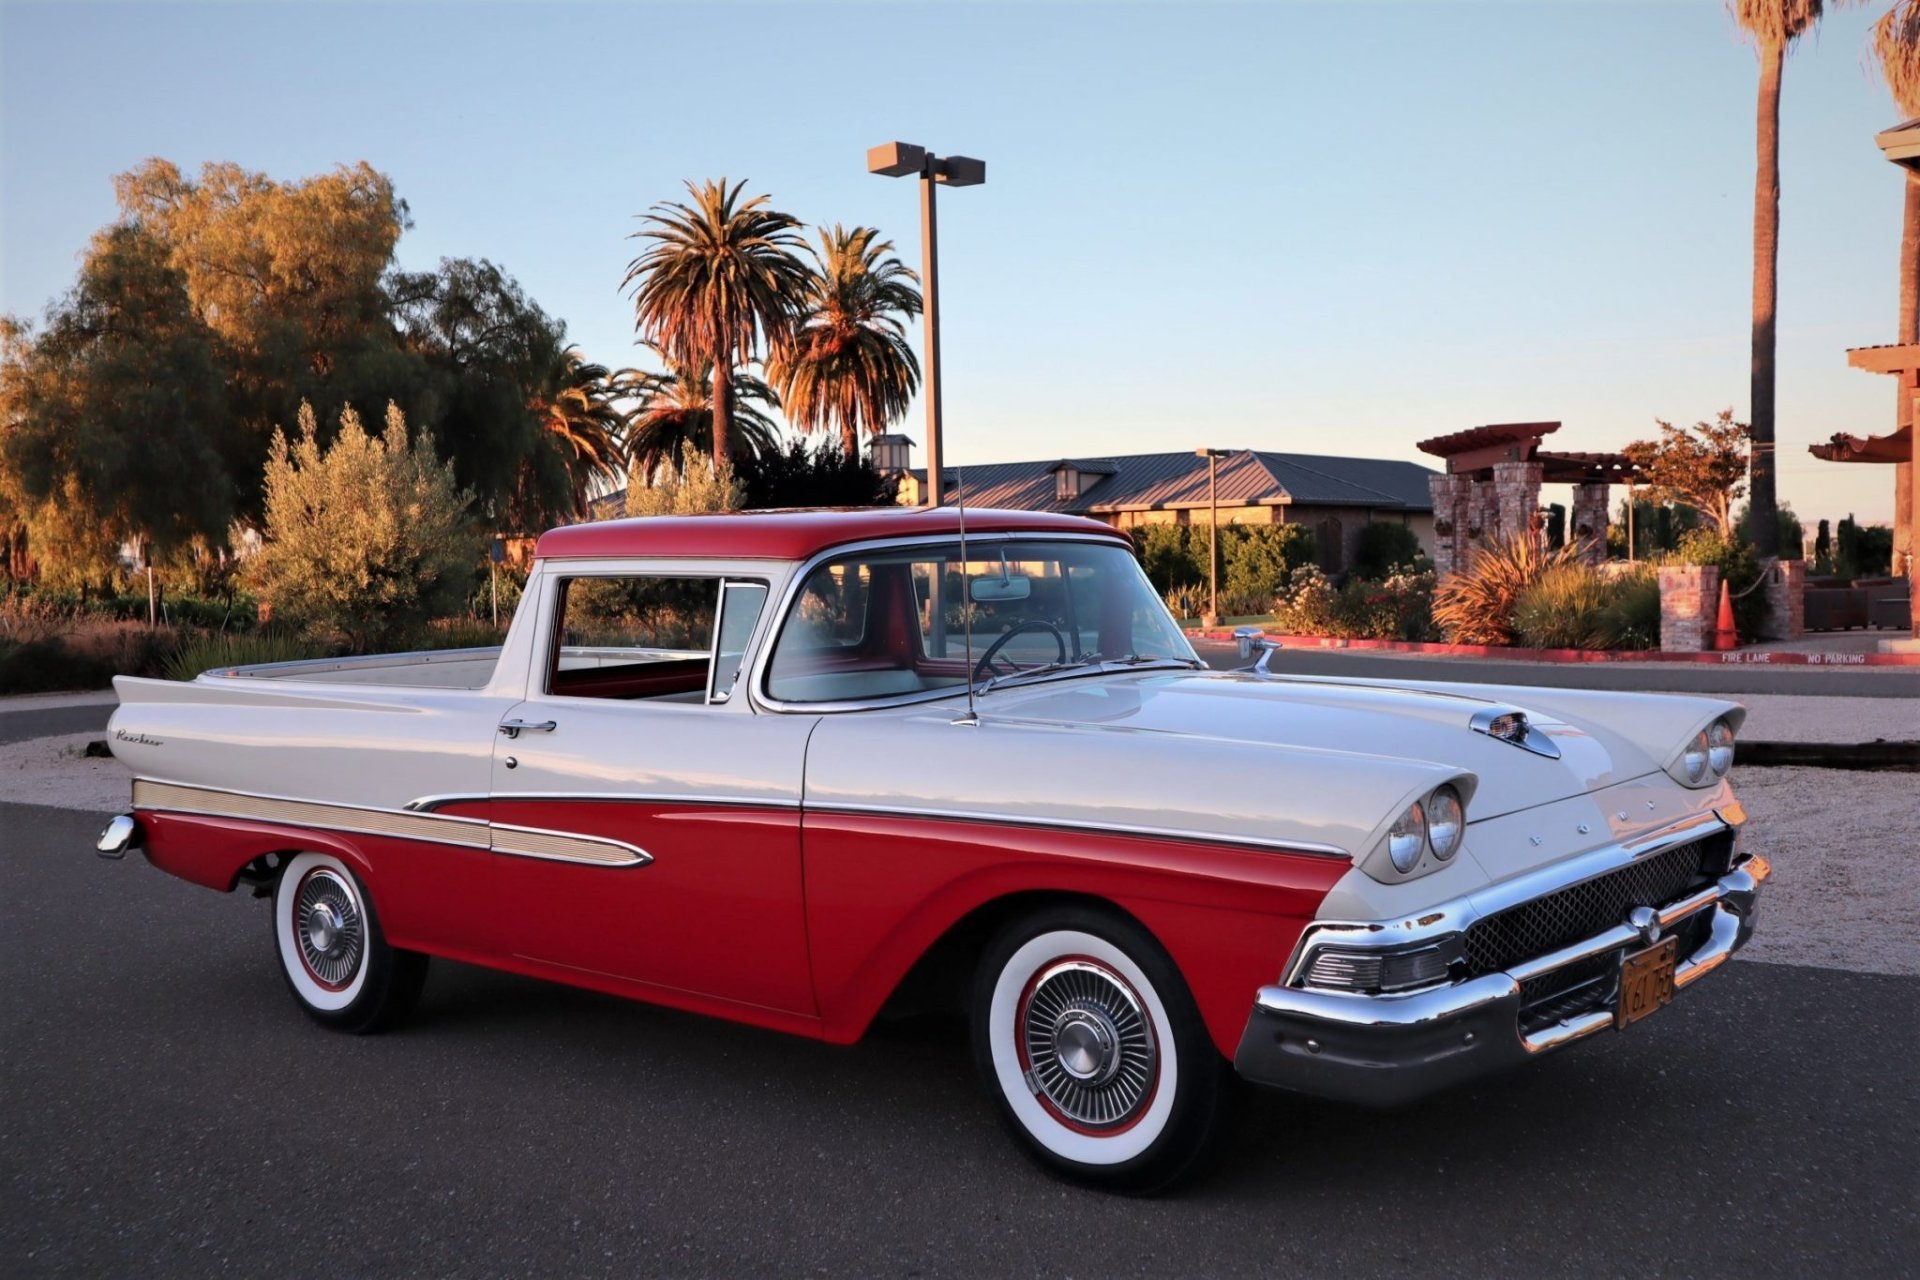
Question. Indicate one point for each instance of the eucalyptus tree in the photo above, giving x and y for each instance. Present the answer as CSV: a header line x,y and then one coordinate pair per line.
x,y
721,281
1773,25
849,366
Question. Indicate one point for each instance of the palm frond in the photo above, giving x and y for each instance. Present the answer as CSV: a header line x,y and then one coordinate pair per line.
x,y
1896,47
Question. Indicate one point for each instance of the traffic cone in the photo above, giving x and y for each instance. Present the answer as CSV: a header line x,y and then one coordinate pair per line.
x,y
1724,636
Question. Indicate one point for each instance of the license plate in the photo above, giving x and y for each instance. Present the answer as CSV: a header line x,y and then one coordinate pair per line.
x,y
1646,981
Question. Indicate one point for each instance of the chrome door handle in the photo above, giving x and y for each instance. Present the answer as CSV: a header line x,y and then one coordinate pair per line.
x,y
512,728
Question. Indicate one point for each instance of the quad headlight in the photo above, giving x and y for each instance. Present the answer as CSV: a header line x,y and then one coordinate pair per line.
x,y
1429,831
1707,758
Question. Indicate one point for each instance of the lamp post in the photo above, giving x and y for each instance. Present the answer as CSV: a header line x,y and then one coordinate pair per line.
x,y
897,160
1213,456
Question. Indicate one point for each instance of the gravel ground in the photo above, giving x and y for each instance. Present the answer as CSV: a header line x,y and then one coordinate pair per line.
x,y
1784,718
1845,892
53,772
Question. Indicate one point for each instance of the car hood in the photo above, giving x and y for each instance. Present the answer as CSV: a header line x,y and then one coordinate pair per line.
x,y
1388,721
1323,765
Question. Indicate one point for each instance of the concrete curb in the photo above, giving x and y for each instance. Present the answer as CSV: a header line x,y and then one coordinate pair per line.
x,y
1736,657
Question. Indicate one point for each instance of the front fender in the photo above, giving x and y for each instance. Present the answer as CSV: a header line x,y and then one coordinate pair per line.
x,y
882,890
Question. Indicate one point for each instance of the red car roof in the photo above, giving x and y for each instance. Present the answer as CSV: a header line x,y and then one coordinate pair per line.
x,y
791,535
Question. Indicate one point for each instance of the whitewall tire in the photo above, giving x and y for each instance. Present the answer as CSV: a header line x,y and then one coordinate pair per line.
x,y
1088,1041
332,954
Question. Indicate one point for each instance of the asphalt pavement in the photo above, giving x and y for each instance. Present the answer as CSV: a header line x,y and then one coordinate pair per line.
x,y
169,1111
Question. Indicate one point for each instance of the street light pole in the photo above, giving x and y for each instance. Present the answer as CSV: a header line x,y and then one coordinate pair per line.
x,y
1212,618
897,160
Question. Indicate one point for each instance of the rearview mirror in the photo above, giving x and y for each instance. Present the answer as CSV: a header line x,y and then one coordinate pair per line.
x,y
999,588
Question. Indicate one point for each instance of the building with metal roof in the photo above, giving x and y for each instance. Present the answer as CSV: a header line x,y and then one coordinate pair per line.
x,y
1334,496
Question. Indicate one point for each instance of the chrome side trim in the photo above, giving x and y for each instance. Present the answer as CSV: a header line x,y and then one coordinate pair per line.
x,y
1067,824
169,797
404,824
556,846
1455,915
430,804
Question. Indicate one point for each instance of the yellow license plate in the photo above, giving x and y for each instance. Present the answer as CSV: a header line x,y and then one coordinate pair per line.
x,y
1646,981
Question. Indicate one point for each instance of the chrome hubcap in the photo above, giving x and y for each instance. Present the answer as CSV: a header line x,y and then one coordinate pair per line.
x,y
1089,1047
332,936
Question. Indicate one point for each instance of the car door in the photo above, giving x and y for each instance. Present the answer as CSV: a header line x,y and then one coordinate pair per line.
x,y
645,820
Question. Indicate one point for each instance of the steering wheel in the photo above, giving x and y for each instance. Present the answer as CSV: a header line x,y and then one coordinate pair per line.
x,y
984,667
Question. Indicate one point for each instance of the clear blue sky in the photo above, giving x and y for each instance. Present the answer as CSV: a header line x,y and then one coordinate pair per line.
x,y
1336,228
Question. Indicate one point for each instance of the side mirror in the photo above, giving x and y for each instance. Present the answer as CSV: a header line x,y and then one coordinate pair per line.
x,y
1251,640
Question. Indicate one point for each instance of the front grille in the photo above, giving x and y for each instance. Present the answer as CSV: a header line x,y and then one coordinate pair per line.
x,y
1579,911
1594,983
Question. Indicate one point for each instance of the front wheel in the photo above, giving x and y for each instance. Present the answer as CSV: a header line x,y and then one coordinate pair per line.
x,y
1094,1053
335,959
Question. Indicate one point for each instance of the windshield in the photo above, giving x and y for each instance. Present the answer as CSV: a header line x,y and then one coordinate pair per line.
x,y
890,623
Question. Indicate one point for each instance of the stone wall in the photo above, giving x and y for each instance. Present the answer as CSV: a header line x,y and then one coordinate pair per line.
x,y
1516,497
1689,607
1786,601
1589,527
1452,513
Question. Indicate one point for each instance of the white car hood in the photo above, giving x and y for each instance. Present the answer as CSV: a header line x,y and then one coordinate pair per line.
x,y
1324,764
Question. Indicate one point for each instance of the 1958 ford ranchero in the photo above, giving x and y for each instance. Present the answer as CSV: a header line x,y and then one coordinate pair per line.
x,y
787,767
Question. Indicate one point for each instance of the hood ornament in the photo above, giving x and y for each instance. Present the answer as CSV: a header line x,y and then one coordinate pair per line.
x,y
1510,724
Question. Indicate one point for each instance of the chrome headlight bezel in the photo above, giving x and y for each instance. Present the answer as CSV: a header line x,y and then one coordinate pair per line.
x,y
1707,757
1407,848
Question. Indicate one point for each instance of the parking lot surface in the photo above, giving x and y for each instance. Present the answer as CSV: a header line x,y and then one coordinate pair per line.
x,y
168,1111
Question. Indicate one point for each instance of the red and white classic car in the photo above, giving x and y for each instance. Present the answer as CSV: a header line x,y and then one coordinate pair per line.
x,y
789,767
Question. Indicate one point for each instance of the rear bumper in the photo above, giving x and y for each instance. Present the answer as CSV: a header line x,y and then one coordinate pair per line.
x,y
1387,1050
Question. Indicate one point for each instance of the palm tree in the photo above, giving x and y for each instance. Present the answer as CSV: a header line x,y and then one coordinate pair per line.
x,y
579,421
1896,43
721,276
849,365
1774,25
676,408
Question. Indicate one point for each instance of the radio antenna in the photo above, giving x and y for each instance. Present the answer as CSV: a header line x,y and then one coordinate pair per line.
x,y
972,717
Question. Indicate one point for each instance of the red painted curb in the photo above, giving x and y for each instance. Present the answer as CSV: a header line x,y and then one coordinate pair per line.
x,y
1736,657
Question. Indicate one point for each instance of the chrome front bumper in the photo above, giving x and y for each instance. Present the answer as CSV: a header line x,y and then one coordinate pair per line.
x,y
1384,1050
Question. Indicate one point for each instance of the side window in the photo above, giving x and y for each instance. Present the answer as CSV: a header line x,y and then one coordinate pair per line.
x,y
740,606
634,637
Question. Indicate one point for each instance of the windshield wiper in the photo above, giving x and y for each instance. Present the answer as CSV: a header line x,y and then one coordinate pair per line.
x,y
1083,661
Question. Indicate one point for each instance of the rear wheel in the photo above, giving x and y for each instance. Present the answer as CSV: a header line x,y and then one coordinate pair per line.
x,y
1090,1044
335,959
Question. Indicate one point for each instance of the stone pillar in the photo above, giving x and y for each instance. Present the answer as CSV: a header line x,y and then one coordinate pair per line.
x,y
1451,496
1516,494
1483,512
1786,601
1589,527
1689,607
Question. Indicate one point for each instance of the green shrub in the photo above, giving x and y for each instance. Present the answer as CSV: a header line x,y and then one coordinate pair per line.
x,y
1306,606
1256,560
460,633
1166,555
1631,619
1384,548
1564,608
368,538
208,652
48,666
1476,607
1398,607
